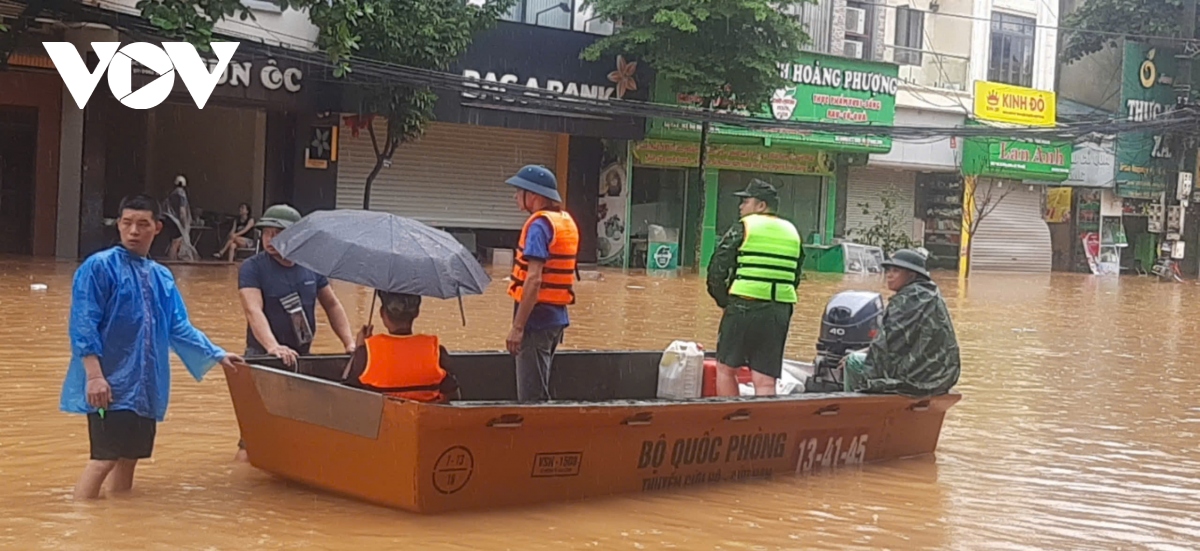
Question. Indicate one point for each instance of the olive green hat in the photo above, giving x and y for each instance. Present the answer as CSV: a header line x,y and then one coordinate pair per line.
x,y
278,216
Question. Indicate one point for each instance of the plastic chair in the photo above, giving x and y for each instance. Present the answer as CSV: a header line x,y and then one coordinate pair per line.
x,y
255,238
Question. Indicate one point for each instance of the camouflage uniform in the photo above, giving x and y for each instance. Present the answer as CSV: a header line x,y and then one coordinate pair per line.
x,y
752,332
915,352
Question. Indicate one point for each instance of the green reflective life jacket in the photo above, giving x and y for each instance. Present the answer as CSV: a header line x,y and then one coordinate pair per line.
x,y
768,260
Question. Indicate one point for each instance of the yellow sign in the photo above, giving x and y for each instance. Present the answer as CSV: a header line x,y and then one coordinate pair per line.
x,y
1014,104
1058,205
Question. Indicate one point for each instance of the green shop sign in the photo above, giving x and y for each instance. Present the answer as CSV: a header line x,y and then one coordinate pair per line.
x,y
1017,159
823,88
1147,92
733,157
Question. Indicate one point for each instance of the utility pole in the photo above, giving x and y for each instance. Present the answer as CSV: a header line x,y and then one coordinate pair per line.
x,y
1183,145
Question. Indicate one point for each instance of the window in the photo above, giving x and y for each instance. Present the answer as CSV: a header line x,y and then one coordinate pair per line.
x,y
858,30
910,35
1011,59
558,14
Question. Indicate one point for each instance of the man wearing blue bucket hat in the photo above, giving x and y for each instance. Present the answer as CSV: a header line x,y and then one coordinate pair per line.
x,y
543,279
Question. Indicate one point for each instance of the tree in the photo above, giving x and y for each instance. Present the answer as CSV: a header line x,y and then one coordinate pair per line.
x,y
1091,24
725,54
977,206
426,34
888,231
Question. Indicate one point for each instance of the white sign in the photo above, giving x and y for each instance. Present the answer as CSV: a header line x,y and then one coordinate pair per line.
x,y
270,77
590,91
199,79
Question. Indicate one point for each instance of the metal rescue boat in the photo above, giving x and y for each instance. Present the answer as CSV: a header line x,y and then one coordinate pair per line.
x,y
605,434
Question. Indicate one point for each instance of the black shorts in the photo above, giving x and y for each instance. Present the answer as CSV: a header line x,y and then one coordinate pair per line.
x,y
121,434
754,336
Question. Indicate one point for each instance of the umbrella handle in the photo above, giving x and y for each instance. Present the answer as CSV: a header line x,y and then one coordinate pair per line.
x,y
371,311
461,311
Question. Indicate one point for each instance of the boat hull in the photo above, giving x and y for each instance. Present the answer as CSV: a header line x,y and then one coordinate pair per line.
x,y
434,458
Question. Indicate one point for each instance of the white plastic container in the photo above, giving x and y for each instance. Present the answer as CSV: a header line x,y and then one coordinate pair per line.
x,y
681,371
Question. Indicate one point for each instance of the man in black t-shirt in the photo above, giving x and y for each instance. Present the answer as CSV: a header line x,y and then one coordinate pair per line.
x,y
279,299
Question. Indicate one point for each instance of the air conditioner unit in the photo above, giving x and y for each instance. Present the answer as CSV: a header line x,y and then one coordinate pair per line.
x,y
856,21
854,49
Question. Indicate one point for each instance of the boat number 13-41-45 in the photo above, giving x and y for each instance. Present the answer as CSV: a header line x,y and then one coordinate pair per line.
x,y
836,452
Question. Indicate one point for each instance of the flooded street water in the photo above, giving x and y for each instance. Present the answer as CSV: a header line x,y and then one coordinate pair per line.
x,y
1077,430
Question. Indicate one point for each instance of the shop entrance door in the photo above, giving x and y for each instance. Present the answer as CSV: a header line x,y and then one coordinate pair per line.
x,y
18,139
799,200
659,196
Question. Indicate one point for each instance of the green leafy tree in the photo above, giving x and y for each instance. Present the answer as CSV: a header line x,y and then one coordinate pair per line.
x,y
1092,22
890,222
723,54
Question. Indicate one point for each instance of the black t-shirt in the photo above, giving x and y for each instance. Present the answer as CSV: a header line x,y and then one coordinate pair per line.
x,y
277,283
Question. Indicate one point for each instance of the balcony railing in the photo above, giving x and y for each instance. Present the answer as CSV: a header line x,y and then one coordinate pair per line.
x,y
927,69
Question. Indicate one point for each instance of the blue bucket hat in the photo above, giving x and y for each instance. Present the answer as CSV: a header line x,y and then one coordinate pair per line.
x,y
537,179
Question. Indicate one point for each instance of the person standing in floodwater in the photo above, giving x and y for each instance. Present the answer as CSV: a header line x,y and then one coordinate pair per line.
x,y
543,280
279,299
753,276
126,314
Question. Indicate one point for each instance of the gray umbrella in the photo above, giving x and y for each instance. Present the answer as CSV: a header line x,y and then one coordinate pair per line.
x,y
383,251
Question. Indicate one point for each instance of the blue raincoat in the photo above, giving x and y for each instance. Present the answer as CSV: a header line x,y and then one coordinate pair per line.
x,y
126,310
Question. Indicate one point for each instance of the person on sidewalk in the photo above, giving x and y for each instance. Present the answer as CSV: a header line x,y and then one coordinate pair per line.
x,y
279,299
753,276
543,279
915,353
126,317
239,235
400,363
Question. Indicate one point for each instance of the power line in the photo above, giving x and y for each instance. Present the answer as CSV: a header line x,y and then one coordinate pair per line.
x,y
369,72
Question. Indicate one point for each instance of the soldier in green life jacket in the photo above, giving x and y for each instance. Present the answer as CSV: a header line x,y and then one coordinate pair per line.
x,y
753,276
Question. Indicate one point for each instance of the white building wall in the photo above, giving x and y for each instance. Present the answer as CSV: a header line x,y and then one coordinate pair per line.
x,y
287,28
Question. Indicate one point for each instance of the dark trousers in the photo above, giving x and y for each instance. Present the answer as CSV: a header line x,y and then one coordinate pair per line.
x,y
533,364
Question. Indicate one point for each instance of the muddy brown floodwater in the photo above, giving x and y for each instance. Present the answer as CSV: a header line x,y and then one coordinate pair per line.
x,y
1077,431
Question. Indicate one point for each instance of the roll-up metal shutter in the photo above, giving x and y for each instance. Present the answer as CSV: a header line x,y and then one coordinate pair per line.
x,y
1013,237
867,185
453,177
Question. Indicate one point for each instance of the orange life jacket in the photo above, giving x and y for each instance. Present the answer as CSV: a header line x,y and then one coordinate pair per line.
x,y
405,366
558,275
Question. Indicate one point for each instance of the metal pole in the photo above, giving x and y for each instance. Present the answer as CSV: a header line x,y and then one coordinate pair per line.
x,y
1184,88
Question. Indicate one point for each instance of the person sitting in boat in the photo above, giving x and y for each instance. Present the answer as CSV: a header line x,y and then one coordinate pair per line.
x,y
915,352
400,363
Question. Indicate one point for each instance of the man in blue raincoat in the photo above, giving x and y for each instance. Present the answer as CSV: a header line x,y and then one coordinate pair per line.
x,y
126,314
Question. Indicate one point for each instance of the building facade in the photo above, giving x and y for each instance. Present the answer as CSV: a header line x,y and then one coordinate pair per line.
x,y
65,168
943,48
453,176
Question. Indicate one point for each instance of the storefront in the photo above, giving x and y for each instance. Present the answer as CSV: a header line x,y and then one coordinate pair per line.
x,y
1146,166
1074,214
453,176
245,146
804,167
914,177
1004,187
30,111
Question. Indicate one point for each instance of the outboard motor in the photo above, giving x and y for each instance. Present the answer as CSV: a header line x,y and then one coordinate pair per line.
x,y
851,320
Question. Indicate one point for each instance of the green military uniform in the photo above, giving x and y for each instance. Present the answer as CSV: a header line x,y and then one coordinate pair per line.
x,y
757,291
915,352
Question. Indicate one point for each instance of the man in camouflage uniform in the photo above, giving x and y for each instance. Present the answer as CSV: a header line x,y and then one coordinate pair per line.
x,y
753,276
915,352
